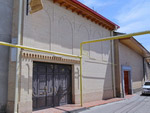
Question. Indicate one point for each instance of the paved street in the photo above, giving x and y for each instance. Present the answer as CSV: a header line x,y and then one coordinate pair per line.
x,y
136,104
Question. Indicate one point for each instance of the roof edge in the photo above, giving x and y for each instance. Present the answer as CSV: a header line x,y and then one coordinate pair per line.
x,y
145,53
86,7
86,12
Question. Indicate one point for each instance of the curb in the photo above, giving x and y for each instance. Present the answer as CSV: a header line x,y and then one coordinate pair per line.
x,y
85,108
76,110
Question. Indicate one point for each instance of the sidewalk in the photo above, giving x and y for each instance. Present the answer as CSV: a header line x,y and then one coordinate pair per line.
x,y
73,108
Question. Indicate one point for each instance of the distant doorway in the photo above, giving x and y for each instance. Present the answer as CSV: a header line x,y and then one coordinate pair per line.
x,y
126,82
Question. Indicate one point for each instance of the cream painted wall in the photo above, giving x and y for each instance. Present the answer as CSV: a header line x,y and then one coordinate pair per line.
x,y
58,29
128,57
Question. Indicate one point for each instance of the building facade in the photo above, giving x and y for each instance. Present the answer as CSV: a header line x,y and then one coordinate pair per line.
x,y
132,68
49,80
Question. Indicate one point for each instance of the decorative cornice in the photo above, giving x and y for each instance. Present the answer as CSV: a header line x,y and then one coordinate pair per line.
x,y
48,57
81,9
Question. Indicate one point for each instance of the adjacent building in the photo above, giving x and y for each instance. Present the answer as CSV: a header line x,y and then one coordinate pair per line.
x,y
132,68
5,35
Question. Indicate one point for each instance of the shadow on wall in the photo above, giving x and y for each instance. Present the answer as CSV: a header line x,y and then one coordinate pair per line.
x,y
102,78
26,80
77,76
108,84
4,58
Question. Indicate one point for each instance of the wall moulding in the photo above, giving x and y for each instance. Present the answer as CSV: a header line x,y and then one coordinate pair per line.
x,y
39,56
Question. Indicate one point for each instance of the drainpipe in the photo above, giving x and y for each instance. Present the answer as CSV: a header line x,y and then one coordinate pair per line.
x,y
20,17
113,66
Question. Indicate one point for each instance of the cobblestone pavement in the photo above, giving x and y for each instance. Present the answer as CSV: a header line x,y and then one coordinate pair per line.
x,y
136,104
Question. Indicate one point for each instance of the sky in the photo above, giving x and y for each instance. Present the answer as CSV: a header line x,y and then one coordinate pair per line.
x,y
130,15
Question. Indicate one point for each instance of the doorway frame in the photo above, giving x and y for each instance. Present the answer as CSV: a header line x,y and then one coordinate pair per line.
x,y
129,69
72,79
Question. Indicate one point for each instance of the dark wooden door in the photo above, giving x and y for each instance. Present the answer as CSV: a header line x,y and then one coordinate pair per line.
x,y
51,85
126,82
62,85
42,85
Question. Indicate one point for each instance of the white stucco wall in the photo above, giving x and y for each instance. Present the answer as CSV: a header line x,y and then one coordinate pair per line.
x,y
61,30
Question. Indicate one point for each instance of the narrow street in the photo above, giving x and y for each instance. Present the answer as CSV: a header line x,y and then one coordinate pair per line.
x,y
136,104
